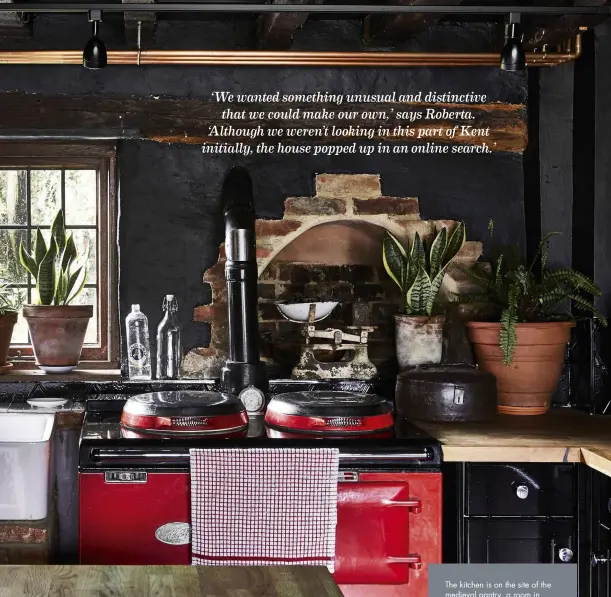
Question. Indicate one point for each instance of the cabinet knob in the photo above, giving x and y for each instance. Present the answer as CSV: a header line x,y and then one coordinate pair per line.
x,y
594,560
565,554
522,491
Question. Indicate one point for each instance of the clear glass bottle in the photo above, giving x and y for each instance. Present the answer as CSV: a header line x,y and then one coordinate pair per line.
x,y
169,347
138,346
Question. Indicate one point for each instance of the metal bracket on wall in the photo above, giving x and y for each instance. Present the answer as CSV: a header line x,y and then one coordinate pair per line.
x,y
570,51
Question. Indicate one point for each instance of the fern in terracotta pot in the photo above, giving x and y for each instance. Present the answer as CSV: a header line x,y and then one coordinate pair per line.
x,y
524,341
9,307
419,272
57,328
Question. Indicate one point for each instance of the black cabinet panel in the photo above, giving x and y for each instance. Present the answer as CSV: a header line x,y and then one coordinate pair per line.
x,y
503,541
520,490
600,535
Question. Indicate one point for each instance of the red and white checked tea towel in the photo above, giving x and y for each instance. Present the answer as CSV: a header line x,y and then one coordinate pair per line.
x,y
264,506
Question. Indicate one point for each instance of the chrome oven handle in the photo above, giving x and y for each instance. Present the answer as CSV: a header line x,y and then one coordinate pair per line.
x,y
98,455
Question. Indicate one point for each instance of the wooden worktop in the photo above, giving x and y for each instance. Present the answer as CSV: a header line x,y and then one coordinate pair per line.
x,y
561,435
166,581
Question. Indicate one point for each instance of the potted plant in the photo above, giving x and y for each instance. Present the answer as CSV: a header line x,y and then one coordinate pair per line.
x,y
57,328
524,342
9,307
419,274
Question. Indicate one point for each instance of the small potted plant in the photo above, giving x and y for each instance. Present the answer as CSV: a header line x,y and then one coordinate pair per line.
x,y
523,343
9,307
419,273
57,328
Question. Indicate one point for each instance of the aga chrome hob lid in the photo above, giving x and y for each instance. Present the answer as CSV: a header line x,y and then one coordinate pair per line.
x,y
330,413
182,412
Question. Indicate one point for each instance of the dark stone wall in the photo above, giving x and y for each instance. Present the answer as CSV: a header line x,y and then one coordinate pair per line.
x,y
169,228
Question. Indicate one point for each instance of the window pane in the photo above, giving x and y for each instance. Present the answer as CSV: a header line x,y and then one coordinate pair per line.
x,y
46,195
89,296
82,239
81,197
11,270
20,331
13,197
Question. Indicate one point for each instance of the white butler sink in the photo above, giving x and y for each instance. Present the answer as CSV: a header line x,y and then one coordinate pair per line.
x,y
25,450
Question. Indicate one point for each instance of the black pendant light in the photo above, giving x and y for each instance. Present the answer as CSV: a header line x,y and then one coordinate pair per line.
x,y
94,54
513,57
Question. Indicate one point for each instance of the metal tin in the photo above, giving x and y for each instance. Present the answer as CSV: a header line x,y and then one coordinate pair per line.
x,y
446,393
330,413
181,412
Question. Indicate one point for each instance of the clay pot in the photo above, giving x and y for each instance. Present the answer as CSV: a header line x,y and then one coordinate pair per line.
x,y
419,340
526,386
7,323
57,334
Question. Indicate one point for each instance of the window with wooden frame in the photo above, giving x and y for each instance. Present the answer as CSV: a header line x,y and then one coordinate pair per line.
x,y
36,180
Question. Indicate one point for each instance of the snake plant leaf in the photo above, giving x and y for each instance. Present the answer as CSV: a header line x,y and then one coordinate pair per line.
x,y
58,231
418,294
40,248
437,250
76,283
69,253
435,287
78,278
455,243
394,258
27,261
46,278
418,253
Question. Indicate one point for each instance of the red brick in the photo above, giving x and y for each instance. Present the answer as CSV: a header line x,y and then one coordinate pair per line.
x,y
215,273
210,313
22,533
266,291
344,186
392,206
317,206
276,227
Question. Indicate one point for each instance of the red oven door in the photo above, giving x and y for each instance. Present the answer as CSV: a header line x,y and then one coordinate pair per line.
x,y
136,518
388,531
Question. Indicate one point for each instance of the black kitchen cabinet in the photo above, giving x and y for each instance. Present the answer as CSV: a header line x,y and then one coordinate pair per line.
x,y
599,486
517,513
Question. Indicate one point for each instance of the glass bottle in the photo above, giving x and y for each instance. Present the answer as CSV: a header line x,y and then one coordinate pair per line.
x,y
169,348
138,348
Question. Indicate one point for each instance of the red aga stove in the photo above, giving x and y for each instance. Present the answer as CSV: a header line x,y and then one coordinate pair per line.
x,y
134,479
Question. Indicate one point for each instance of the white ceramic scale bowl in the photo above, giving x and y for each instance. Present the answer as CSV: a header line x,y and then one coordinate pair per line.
x,y
299,312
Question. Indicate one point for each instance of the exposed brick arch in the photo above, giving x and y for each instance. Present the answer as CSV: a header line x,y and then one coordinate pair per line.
x,y
340,198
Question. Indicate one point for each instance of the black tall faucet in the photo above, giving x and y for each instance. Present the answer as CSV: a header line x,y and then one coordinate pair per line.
x,y
243,367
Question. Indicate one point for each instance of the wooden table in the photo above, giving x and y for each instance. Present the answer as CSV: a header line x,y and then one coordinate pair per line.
x,y
166,581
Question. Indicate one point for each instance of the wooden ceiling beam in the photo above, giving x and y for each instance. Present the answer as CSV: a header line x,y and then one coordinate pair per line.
x,y
399,27
555,30
146,21
276,29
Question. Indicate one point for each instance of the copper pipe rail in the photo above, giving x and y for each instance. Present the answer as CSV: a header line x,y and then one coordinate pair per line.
x,y
257,58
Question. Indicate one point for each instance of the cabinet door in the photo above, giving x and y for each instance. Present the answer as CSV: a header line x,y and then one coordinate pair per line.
x,y
601,535
520,490
498,541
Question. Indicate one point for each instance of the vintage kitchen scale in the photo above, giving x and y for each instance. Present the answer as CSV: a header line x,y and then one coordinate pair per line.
x,y
331,353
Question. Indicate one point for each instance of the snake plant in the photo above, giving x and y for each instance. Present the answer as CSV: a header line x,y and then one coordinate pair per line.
x,y
419,272
8,303
528,293
59,272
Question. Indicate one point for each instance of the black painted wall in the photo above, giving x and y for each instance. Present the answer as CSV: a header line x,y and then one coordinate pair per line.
x,y
169,228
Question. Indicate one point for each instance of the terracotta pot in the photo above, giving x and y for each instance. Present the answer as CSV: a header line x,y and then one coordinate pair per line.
x,y
57,334
419,340
7,323
526,386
